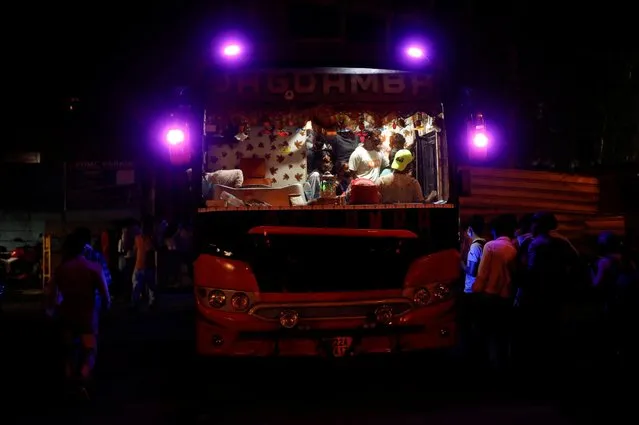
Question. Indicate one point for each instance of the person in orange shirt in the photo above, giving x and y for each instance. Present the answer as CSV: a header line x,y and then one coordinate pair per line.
x,y
105,246
144,270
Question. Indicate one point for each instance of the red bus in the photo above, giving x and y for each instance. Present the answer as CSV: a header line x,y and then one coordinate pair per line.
x,y
288,266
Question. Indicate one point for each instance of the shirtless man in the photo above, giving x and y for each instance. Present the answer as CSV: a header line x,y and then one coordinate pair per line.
x,y
73,289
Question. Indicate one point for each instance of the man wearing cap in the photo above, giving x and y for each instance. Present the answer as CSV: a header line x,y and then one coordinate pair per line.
x,y
400,187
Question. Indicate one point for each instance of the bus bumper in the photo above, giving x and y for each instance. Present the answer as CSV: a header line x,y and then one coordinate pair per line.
x,y
432,328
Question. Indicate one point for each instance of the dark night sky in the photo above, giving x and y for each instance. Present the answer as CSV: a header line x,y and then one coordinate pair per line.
x,y
108,53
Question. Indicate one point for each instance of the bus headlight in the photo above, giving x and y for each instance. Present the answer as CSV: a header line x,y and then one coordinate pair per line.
x,y
441,292
421,297
217,298
240,301
289,319
384,315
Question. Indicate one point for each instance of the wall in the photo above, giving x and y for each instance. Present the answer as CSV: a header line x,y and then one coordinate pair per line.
x,y
24,225
285,154
529,191
574,200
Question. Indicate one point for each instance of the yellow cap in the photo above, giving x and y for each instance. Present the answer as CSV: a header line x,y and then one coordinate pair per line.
x,y
403,157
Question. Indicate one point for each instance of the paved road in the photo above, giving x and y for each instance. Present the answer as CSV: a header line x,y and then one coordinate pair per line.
x,y
148,374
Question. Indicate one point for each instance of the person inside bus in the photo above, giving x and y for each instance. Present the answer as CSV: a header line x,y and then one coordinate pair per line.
x,y
343,144
344,179
400,187
366,161
322,164
397,143
313,149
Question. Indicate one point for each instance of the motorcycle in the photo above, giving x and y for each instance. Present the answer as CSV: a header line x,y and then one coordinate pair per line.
x,y
22,264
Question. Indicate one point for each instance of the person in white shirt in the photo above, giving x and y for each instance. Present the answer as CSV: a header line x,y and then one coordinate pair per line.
x,y
367,161
494,286
474,230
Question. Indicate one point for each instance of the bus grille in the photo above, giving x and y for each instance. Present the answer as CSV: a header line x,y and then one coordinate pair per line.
x,y
315,312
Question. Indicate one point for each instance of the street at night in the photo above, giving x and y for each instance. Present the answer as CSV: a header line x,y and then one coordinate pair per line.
x,y
148,373
320,212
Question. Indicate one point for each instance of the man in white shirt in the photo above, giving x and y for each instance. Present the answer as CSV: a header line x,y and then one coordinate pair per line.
x,y
494,285
367,161
474,230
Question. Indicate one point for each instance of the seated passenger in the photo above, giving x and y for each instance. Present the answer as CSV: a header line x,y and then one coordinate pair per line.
x,y
366,161
343,179
322,165
362,192
400,187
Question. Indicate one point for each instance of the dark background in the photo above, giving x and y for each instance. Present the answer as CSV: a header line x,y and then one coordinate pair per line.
x,y
557,79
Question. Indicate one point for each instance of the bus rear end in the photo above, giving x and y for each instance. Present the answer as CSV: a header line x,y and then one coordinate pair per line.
x,y
288,265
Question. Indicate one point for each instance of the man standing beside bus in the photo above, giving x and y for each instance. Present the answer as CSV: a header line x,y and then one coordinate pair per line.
x,y
470,267
493,286
144,270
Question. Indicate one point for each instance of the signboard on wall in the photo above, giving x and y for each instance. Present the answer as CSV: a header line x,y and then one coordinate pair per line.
x,y
103,185
21,157
326,86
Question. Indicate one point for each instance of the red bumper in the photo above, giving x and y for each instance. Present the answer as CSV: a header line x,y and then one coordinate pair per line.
x,y
234,334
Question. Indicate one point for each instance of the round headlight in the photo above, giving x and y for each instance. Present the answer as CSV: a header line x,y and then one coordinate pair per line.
x,y
289,319
217,298
421,296
240,301
441,291
384,315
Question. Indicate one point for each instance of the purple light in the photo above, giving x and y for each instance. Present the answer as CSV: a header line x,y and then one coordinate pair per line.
x,y
175,136
415,52
232,50
480,140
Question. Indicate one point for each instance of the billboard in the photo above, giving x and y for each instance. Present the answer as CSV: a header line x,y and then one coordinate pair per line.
x,y
102,185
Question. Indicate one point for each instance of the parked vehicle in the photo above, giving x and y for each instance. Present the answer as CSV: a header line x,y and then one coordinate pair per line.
x,y
2,290
4,253
22,264
281,272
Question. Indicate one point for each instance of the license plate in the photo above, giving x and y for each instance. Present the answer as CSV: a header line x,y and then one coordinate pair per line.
x,y
341,345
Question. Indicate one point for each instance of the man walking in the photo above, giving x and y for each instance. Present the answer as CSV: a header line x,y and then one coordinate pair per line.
x,y
73,288
144,272
83,234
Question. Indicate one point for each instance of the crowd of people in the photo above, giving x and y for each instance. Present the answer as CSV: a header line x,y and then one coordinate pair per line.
x,y
516,289
365,172
519,286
